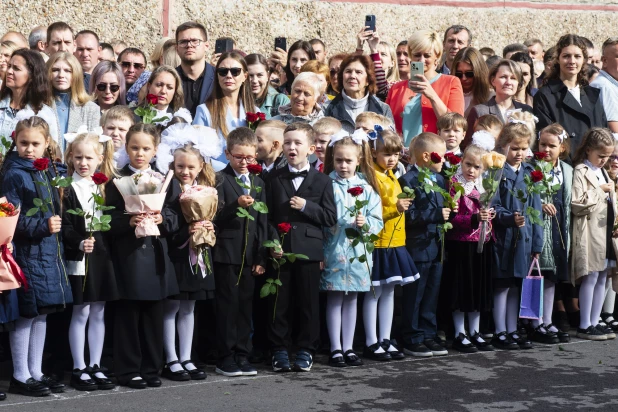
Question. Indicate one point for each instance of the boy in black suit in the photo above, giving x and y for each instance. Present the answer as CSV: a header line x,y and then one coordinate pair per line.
x,y
234,298
303,197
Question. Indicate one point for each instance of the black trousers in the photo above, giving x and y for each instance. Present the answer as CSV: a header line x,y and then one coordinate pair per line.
x,y
260,316
300,296
234,309
138,339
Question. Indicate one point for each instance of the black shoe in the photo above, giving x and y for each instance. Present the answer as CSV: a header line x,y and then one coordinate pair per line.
x,y
82,384
458,344
228,368
336,361
52,384
609,333
103,384
609,320
32,387
522,342
370,353
136,384
179,376
563,336
482,345
2,396
257,356
153,382
435,348
591,333
303,361
352,359
396,354
438,339
562,321
542,334
196,374
417,349
505,344
245,366
281,361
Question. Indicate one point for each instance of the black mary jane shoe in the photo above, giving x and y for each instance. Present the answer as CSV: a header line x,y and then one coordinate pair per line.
x,y
196,374
178,376
337,361
153,382
352,359
396,354
2,396
103,384
521,341
542,334
370,353
54,385
480,343
459,345
505,344
31,387
563,337
80,384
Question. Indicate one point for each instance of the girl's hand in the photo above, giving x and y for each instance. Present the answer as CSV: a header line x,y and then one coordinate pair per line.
x,y
193,227
276,253
136,220
446,213
158,219
607,187
55,224
520,221
208,225
258,270
484,215
360,220
403,205
549,209
89,245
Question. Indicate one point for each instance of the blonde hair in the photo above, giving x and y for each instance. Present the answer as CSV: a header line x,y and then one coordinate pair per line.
x,y
393,73
374,118
425,142
273,124
389,142
487,122
474,150
102,149
162,45
171,57
425,40
451,120
510,132
314,66
178,100
365,160
207,176
77,90
327,125
529,120
118,113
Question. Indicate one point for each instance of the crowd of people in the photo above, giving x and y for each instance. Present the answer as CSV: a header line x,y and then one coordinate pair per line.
x,y
345,181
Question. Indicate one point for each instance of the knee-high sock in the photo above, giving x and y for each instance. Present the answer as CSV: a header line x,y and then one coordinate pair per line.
x,y
586,293
370,316
610,297
549,290
20,341
499,311
459,320
348,320
386,307
474,322
598,298
96,332
512,310
77,335
169,332
186,320
35,349
334,302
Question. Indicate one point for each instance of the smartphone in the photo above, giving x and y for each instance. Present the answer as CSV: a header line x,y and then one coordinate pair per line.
x,y
370,22
281,43
416,68
224,45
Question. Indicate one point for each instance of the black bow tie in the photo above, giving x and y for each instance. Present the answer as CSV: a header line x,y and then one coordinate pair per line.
x,y
294,175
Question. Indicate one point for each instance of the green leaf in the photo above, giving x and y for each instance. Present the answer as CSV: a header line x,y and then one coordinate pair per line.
x,y
355,242
98,199
278,282
370,247
301,256
37,202
257,189
373,237
352,260
273,289
268,243
32,211
351,233
105,208
250,217
265,291
365,227
76,212
362,258
291,257
270,280
261,207
282,261
44,208
105,219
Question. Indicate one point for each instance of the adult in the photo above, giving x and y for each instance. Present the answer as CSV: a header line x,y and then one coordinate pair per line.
x,y
60,37
321,70
566,97
334,64
156,57
26,87
359,87
487,52
165,83
107,52
319,48
403,60
226,108
266,97
535,49
607,82
118,46
37,40
548,61
303,106
17,38
589,48
73,106
87,50
418,103
511,49
299,53
471,70
528,88
506,79
7,48
198,77
455,38
596,60
133,63
107,85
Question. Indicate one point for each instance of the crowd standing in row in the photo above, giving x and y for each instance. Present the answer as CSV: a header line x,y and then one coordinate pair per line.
x,y
337,180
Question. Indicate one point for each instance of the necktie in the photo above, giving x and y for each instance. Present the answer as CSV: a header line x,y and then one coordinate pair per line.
x,y
245,180
321,168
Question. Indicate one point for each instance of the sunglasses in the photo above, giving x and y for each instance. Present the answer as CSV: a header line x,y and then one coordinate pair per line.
x,y
138,66
112,87
223,71
469,74
333,72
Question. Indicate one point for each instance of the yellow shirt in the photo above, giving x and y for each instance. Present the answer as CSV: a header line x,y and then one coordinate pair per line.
x,y
393,225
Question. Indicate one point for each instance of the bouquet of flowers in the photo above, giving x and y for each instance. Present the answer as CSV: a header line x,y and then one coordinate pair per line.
x,y
493,164
199,203
144,193
11,275
546,185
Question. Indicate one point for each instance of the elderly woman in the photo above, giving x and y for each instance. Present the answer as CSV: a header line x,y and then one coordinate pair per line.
x,y
107,85
358,82
6,50
267,98
418,103
471,70
321,69
303,106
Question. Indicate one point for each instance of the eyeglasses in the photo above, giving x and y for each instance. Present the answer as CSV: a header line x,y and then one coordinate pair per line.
x,y
468,74
190,42
112,87
248,159
333,72
223,71
613,157
138,66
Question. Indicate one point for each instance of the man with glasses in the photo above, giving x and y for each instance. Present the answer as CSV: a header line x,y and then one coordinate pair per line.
x,y
196,74
133,63
455,38
607,82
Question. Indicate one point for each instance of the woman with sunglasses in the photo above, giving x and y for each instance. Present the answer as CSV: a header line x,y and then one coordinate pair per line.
x,y
267,98
471,70
107,85
230,100
528,88
73,106
334,64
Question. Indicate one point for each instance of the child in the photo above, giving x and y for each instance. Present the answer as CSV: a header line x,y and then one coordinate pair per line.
x,y
467,274
342,279
38,252
368,122
116,122
594,213
392,262
553,140
452,128
423,243
610,298
144,274
234,291
517,240
489,123
303,197
269,134
86,154
324,129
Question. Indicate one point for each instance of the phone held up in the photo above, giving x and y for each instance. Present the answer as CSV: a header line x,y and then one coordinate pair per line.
x,y
370,22
281,43
224,45
416,69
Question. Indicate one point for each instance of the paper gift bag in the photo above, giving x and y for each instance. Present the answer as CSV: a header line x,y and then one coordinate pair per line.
x,y
531,306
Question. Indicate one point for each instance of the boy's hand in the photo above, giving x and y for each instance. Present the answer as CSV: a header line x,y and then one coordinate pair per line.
x,y
89,245
520,221
607,187
245,201
549,209
446,212
297,203
360,219
55,224
403,205
258,270
276,253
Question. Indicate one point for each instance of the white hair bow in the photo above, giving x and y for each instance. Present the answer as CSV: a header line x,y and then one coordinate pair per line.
x,y
563,136
182,113
359,136
484,140
509,116
204,139
27,113
70,137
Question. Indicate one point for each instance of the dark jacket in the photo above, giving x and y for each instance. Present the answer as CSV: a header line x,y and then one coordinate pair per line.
x,y
205,89
554,104
307,226
336,109
37,252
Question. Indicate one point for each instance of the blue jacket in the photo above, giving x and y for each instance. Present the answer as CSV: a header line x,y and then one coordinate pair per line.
x,y
272,101
512,253
37,252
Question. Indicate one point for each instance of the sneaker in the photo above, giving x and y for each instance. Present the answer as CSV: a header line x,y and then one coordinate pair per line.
x,y
435,348
542,334
395,354
303,361
521,341
459,345
370,353
245,366
606,330
503,341
417,349
481,344
591,333
280,361
608,318
229,369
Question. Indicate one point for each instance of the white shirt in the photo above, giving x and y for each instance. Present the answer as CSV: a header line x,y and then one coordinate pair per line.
x,y
134,170
297,181
245,179
577,94
609,94
268,168
513,168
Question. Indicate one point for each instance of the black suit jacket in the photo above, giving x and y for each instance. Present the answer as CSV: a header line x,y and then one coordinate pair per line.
x,y
231,228
320,212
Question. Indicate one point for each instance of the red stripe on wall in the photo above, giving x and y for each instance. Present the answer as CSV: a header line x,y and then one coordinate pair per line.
x,y
165,18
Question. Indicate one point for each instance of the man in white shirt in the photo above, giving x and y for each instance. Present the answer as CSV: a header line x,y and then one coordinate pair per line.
x,y
607,82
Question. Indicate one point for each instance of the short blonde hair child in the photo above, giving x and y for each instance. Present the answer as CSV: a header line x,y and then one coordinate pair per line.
x,y
327,125
452,120
118,113
373,118
510,132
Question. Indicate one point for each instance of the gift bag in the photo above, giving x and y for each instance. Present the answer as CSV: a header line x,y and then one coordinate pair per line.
x,y
531,306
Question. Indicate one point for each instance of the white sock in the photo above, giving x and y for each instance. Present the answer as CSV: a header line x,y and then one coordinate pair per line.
x,y
499,310
77,336
169,332
474,323
334,303
370,316
348,320
96,334
512,310
186,322
586,293
459,319
20,340
35,348
386,307
610,297
549,290
598,298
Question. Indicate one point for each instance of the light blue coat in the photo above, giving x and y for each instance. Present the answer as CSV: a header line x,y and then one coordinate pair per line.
x,y
339,274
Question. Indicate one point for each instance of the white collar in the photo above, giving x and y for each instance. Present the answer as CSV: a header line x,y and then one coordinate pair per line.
x,y
134,170
306,168
241,174
82,181
513,168
590,166
318,163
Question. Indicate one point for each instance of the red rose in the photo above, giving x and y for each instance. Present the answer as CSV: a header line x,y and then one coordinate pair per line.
x,y
7,208
152,99
356,191
284,228
13,135
254,169
536,176
99,178
41,164
436,158
262,116
452,159
540,155
252,117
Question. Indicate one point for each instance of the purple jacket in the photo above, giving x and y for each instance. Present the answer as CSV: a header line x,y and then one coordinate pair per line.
x,y
466,226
